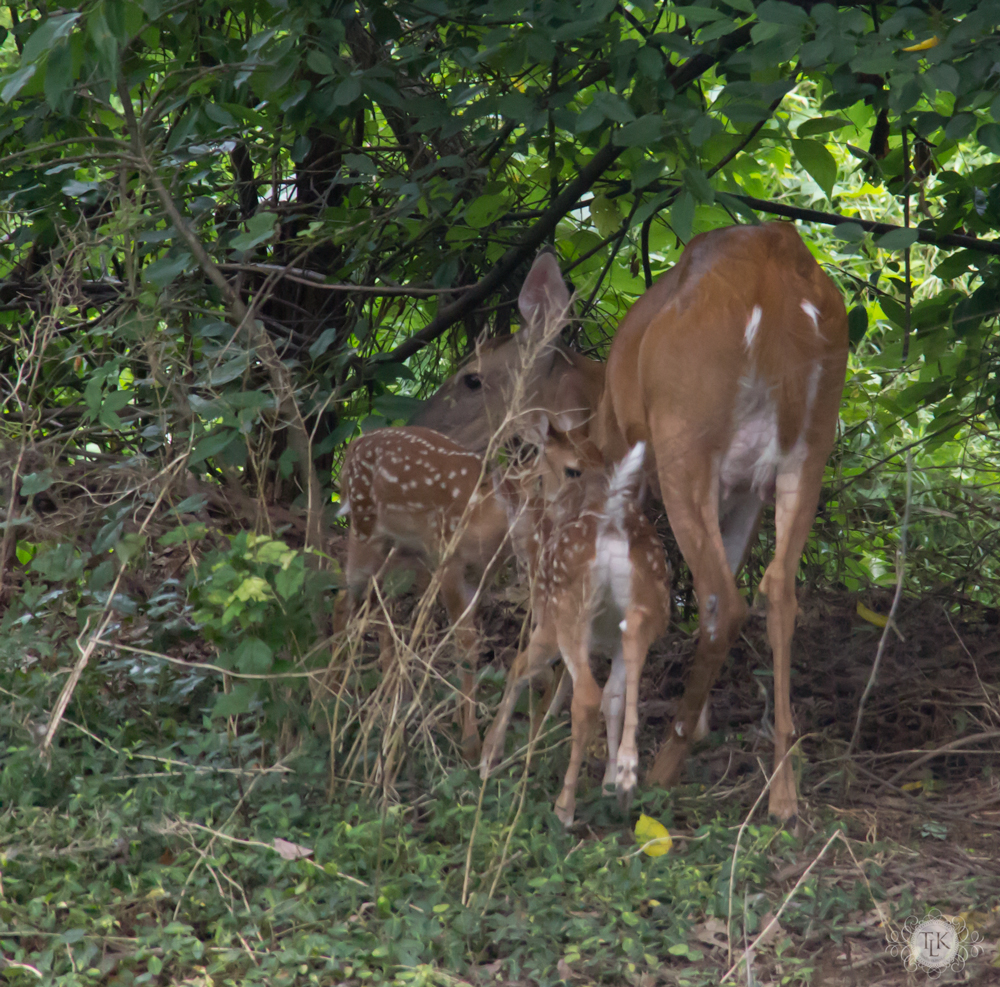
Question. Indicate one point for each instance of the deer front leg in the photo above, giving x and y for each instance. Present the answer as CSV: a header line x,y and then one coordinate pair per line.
x,y
536,658
613,708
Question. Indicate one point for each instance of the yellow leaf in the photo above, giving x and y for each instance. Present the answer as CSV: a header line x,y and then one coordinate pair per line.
x,y
931,42
873,618
650,831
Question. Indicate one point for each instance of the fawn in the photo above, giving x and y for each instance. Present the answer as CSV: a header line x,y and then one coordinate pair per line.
x,y
602,583
413,489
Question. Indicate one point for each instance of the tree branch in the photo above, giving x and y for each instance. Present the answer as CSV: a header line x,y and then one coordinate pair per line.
x,y
835,219
562,204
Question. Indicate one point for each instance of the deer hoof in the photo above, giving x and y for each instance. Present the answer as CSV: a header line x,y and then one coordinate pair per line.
x,y
627,778
564,809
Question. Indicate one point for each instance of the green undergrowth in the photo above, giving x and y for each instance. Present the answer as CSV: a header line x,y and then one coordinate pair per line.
x,y
144,852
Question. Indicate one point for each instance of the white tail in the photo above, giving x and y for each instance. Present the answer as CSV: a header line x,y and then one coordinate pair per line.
x,y
625,481
416,490
603,584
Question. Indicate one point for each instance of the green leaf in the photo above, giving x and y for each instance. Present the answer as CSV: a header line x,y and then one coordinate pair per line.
x,y
682,216
319,62
898,239
989,136
347,92
646,130
893,311
104,40
605,215
44,37
260,227
697,181
776,12
59,77
229,370
183,533
212,445
857,324
818,162
646,172
851,232
696,15
36,482
253,657
289,581
15,82
163,271
485,210
396,406
235,702
821,125
613,107
75,189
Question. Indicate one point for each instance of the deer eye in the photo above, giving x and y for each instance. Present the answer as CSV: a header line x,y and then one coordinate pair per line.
x,y
472,381
573,473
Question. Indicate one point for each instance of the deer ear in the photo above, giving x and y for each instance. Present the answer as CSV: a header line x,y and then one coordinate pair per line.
x,y
535,428
544,296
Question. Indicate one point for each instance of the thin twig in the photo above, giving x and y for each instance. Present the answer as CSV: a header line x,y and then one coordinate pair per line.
x,y
890,620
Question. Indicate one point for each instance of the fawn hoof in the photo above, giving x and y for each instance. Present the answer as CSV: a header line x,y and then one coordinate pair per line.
x,y
628,776
784,808
564,809
610,783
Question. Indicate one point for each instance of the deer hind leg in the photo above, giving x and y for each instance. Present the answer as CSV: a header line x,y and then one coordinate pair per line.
x,y
796,495
365,556
637,638
613,707
456,596
691,499
541,651
574,643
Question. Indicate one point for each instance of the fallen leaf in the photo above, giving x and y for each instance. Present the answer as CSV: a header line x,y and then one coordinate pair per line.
x,y
654,836
290,851
711,932
873,618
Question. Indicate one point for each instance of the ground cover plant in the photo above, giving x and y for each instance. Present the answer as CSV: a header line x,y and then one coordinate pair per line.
x,y
235,237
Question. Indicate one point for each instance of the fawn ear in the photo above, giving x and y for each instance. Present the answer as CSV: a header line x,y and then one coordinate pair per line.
x,y
544,297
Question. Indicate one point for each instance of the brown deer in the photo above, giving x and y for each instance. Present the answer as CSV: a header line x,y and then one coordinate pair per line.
x,y
731,368
601,584
416,490
472,404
